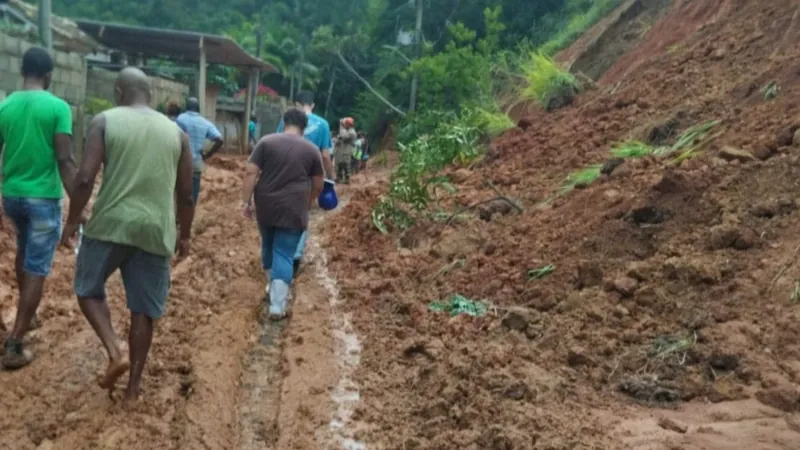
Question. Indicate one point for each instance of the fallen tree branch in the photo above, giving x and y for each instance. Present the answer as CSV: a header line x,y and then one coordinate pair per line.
x,y
513,204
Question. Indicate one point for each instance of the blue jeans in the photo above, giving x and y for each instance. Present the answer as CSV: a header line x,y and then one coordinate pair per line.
x,y
196,177
38,225
301,246
278,246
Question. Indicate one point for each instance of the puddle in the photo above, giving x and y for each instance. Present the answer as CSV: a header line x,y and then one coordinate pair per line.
x,y
347,350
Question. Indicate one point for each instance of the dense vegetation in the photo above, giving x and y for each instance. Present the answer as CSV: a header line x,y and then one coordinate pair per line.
x,y
304,39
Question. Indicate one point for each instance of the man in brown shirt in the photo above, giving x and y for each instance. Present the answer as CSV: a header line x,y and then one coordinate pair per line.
x,y
283,179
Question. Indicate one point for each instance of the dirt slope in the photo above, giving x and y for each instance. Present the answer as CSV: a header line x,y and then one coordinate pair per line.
x,y
661,326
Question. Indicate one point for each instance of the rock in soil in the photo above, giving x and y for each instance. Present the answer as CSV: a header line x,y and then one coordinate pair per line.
x,y
647,215
728,236
784,398
610,165
735,154
590,273
625,286
515,321
671,425
577,357
723,362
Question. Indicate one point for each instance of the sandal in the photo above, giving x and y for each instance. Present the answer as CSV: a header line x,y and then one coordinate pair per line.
x,y
15,356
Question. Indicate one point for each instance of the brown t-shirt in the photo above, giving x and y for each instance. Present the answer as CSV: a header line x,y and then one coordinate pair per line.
x,y
287,163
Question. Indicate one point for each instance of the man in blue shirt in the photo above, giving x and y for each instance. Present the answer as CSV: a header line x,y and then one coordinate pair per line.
x,y
199,129
318,131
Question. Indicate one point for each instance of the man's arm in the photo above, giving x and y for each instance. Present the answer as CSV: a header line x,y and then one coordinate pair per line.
x,y
325,147
317,183
214,135
83,182
249,183
62,145
183,189
327,163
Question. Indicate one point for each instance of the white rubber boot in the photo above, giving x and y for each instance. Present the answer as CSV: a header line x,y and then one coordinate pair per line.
x,y
278,299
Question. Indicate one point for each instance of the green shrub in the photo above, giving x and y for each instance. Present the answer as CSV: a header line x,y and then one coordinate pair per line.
x,y
548,83
583,177
630,149
578,23
96,105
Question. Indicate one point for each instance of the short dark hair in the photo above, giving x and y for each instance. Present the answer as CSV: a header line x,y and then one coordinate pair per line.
x,y
36,63
192,104
305,98
296,118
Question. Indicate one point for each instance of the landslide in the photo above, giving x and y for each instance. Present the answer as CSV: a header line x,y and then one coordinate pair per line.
x,y
670,286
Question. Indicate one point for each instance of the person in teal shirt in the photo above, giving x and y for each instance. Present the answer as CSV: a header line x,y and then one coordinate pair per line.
x,y
252,131
35,138
318,131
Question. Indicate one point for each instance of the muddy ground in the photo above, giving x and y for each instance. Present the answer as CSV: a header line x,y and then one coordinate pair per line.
x,y
669,321
216,378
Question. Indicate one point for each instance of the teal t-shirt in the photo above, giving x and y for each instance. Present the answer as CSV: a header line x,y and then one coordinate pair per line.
x,y
29,120
317,131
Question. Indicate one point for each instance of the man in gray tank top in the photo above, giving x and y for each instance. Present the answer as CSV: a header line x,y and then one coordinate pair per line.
x,y
146,159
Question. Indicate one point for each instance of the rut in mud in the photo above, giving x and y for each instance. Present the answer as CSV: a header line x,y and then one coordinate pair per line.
x,y
216,378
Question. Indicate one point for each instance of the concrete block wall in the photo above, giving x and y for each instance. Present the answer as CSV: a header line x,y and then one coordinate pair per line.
x,y
100,84
69,76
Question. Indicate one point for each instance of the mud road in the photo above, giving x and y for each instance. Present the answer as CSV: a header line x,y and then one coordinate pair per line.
x,y
217,378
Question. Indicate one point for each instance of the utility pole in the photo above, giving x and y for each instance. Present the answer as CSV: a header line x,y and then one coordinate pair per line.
x,y
45,32
412,104
259,44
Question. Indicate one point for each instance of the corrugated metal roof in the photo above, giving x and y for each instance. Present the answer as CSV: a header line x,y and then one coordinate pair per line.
x,y
172,44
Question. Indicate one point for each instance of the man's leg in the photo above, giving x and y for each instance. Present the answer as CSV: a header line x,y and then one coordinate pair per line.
x,y
146,280
267,236
284,244
196,178
298,254
97,260
38,223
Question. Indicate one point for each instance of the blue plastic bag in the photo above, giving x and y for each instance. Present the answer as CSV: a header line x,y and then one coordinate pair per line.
x,y
327,198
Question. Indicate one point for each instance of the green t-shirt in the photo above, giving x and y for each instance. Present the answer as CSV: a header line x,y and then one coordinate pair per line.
x,y
28,122
136,202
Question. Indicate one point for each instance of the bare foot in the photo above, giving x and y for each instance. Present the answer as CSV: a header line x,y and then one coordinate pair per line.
x,y
113,372
130,401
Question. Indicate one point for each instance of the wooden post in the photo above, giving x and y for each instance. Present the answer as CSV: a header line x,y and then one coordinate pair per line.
x,y
201,79
248,111
45,29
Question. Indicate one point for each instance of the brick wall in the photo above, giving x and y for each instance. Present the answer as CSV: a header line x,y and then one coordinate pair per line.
x,y
100,84
69,76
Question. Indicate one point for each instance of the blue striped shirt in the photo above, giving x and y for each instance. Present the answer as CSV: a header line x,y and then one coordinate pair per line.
x,y
199,129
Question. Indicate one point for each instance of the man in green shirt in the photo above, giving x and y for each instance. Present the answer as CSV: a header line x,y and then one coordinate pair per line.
x,y
35,135
146,160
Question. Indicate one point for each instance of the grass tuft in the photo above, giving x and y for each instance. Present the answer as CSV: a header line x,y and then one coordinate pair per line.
x,y
548,84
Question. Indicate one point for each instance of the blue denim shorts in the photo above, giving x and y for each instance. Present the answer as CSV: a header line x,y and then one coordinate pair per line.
x,y
38,224
146,276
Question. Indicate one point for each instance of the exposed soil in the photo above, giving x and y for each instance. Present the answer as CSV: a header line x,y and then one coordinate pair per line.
x,y
216,378
669,320
664,324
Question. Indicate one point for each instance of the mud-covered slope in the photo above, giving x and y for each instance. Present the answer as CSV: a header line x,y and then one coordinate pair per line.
x,y
666,288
